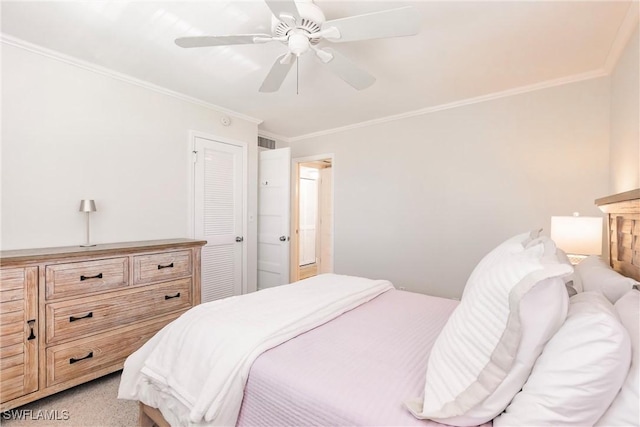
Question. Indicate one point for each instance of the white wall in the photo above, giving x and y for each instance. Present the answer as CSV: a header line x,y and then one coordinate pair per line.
x,y
69,133
625,119
419,201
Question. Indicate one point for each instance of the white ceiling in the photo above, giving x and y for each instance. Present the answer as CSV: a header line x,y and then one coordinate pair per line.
x,y
464,50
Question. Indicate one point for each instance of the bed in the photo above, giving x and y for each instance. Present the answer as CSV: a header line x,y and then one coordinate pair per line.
x,y
363,365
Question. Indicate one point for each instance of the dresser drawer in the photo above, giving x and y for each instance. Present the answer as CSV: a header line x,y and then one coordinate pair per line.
x,y
100,354
164,266
72,319
78,278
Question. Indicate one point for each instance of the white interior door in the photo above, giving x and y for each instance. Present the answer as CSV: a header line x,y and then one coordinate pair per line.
x,y
274,176
218,216
325,223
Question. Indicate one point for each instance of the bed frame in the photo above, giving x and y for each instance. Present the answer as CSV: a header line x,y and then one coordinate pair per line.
x,y
150,417
623,230
623,219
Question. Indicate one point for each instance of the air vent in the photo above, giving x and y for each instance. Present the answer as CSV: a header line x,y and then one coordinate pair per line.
x,y
266,143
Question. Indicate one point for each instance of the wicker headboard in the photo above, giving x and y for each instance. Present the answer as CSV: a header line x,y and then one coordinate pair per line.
x,y
623,213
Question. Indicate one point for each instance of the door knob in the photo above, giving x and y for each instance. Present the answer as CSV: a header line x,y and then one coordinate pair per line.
x,y
239,239
283,238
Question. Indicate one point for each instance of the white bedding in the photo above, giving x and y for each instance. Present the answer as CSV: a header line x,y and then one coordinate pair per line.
x,y
196,367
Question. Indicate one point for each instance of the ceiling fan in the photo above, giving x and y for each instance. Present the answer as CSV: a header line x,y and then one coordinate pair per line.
x,y
301,25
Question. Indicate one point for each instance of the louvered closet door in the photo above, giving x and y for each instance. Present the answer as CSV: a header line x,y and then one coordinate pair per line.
x,y
218,217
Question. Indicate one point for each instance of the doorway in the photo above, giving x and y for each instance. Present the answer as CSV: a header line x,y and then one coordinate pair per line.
x,y
312,248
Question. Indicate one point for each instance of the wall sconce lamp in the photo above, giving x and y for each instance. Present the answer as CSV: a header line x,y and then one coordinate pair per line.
x,y
579,236
87,206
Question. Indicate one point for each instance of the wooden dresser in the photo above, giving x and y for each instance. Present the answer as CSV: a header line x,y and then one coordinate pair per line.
x,y
70,315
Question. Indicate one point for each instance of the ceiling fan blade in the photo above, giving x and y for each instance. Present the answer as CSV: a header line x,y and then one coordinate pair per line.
x,y
404,21
205,41
278,72
285,10
347,70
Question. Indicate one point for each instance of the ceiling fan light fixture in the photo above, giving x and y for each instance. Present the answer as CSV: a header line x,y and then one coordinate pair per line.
x,y
298,43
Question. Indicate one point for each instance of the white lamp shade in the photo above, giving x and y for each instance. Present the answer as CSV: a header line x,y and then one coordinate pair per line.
x,y
577,235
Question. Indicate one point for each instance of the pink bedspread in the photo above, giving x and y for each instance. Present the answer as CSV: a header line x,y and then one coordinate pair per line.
x,y
355,370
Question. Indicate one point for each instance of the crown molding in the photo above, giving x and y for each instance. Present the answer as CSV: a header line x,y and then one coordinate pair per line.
x,y
22,44
625,31
469,101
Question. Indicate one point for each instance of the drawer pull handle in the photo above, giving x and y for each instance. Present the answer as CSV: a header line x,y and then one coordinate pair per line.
x,y
160,267
97,276
172,296
86,316
31,324
74,360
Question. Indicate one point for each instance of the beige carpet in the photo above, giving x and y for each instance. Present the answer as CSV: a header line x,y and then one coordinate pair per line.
x,y
90,404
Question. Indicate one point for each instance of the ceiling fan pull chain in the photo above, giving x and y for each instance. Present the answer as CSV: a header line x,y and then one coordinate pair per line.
x,y
297,76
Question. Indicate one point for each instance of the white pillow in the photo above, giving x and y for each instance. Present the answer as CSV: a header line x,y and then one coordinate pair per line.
x,y
573,279
579,372
625,409
597,276
512,245
485,352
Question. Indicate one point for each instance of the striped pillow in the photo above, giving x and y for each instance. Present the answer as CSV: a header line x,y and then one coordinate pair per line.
x,y
486,350
514,244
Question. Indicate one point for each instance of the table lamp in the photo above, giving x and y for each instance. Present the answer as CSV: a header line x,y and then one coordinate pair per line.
x,y
579,236
87,206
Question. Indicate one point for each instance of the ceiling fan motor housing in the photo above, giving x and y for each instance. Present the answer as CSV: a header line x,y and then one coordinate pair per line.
x,y
311,20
